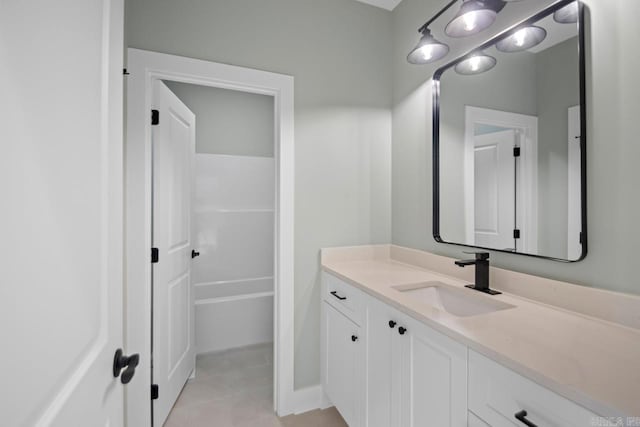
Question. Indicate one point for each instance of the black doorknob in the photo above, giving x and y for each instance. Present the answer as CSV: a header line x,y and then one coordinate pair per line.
x,y
392,324
120,361
194,253
402,330
354,338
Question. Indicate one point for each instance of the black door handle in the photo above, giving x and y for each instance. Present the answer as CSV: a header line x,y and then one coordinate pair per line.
x,y
392,324
522,417
120,361
335,294
402,330
194,253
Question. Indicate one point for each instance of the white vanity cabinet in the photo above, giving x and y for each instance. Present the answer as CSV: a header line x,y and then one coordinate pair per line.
x,y
383,368
343,348
415,376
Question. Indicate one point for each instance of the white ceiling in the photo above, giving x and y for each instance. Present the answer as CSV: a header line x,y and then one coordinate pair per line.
x,y
385,4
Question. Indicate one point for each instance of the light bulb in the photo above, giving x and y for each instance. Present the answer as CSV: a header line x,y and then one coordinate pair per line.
x,y
427,52
520,37
475,63
469,21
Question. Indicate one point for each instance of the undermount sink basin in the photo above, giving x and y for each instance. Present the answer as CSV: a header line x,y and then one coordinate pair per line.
x,y
459,302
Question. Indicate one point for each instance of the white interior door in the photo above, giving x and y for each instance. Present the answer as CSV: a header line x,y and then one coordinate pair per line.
x,y
173,319
574,207
494,189
61,217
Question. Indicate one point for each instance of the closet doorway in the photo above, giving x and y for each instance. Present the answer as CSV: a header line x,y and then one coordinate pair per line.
x,y
232,199
210,185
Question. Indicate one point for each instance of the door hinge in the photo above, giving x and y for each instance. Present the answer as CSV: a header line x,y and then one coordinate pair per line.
x,y
155,391
516,151
155,117
155,255
516,234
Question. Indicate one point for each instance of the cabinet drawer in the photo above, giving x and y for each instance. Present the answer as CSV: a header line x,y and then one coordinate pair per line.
x,y
497,394
343,297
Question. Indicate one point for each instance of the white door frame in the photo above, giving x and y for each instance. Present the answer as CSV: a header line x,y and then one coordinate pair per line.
x,y
145,67
527,126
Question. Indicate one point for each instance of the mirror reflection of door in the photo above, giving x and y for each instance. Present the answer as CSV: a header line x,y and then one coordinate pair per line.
x,y
500,188
495,189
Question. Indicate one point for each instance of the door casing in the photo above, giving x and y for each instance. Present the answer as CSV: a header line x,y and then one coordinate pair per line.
x,y
145,67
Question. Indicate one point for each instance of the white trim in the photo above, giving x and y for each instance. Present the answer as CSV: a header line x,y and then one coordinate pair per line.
x,y
308,399
527,126
233,298
144,68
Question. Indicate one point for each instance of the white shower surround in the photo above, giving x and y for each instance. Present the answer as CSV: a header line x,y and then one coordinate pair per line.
x,y
233,229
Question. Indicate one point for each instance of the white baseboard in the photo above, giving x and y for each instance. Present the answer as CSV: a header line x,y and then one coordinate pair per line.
x,y
309,398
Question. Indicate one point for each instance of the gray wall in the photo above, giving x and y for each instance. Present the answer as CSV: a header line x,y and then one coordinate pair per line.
x,y
228,121
338,51
510,86
558,89
612,151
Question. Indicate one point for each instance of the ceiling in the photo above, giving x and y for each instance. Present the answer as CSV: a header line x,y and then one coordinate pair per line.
x,y
385,4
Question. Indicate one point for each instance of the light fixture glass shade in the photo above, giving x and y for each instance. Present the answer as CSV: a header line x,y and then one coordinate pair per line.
x,y
523,39
567,14
427,50
473,17
476,64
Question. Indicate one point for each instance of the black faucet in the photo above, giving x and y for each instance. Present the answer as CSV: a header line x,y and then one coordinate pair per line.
x,y
482,272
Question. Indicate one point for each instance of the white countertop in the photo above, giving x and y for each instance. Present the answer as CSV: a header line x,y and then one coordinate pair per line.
x,y
593,362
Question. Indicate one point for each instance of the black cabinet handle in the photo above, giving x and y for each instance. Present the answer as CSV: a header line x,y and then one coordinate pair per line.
x,y
194,253
402,330
392,324
522,417
120,361
335,294
354,338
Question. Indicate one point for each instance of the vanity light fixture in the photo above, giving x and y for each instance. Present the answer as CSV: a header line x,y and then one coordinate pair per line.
x,y
476,64
522,39
473,17
428,49
568,14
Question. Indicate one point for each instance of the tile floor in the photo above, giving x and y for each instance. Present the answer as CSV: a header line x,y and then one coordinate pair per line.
x,y
234,389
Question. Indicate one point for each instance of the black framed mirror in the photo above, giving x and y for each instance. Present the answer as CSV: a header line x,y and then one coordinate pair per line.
x,y
509,140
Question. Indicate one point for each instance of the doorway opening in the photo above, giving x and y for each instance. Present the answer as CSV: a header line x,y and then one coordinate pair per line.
x,y
213,220
271,290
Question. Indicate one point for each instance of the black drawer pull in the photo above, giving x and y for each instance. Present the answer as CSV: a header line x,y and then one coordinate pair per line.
x,y
335,294
354,338
522,417
392,324
402,330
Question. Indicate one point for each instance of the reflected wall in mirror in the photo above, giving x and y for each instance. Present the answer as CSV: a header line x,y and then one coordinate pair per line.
x,y
509,138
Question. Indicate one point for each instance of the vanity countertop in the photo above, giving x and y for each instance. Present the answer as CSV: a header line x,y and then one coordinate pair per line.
x,y
591,361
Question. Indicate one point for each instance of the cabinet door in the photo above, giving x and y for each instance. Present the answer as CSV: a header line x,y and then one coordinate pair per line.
x,y
341,360
382,366
434,378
